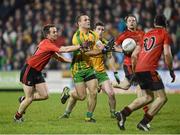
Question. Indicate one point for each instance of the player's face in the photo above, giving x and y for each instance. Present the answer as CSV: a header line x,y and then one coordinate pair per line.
x,y
100,30
84,22
53,34
131,22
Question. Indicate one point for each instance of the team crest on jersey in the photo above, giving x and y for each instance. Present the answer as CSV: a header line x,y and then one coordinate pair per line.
x,y
149,43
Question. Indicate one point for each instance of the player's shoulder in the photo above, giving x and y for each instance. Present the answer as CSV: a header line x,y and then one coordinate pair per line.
x,y
157,31
44,42
93,33
123,35
76,33
125,32
76,37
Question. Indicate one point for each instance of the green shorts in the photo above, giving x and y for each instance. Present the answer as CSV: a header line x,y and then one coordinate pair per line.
x,y
84,75
101,77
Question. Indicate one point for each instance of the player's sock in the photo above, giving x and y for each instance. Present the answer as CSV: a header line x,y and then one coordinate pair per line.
x,y
112,113
145,108
89,114
89,117
18,115
67,112
126,111
146,119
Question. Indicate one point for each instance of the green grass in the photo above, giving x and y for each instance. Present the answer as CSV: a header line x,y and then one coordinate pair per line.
x,y
42,117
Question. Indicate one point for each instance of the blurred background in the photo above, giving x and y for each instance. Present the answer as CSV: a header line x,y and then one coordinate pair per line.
x,y
21,22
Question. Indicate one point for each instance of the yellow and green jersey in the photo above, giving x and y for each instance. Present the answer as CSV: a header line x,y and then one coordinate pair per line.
x,y
80,60
98,60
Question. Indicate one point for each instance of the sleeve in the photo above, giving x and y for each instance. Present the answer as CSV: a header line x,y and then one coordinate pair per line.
x,y
50,46
53,48
119,40
167,39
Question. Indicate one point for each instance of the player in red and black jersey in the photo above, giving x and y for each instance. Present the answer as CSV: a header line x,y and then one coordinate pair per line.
x,y
137,35
144,63
33,82
134,33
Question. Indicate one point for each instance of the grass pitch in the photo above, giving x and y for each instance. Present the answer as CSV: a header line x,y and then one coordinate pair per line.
x,y
42,117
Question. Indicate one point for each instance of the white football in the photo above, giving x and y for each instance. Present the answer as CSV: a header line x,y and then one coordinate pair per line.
x,y
128,45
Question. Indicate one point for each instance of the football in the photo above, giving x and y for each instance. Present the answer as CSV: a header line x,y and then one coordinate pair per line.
x,y
128,45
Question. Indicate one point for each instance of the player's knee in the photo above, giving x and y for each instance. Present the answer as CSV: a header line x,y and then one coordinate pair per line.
x,y
149,98
111,93
82,97
93,94
163,100
28,99
45,96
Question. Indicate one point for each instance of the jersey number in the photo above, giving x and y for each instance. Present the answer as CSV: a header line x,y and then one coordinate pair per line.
x,y
149,43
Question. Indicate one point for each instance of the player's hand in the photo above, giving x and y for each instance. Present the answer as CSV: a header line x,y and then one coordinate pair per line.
x,y
173,76
117,77
133,79
110,45
105,50
85,46
127,53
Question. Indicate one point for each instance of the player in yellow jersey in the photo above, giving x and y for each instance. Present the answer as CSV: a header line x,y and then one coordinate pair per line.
x,y
82,70
98,64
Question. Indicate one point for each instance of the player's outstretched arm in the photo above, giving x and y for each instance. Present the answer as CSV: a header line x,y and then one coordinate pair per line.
x,y
71,48
98,51
93,52
117,49
169,60
60,58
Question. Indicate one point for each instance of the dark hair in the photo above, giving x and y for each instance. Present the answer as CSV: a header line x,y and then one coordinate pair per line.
x,y
130,15
78,18
99,24
160,20
46,29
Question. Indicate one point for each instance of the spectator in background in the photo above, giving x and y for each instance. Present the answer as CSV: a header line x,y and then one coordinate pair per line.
x,y
25,18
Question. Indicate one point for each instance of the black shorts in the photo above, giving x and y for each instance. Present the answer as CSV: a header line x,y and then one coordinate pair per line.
x,y
128,73
149,80
30,76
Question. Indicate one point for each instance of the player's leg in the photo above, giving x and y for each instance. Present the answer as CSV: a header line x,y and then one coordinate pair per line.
x,y
155,107
142,100
157,87
70,105
92,86
139,102
140,94
28,90
107,87
125,84
79,93
41,92
27,79
158,103
136,104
